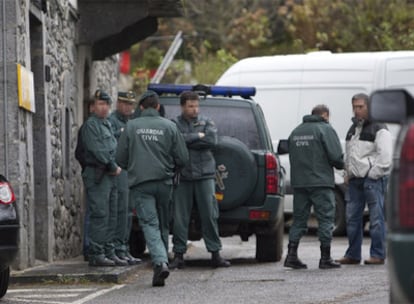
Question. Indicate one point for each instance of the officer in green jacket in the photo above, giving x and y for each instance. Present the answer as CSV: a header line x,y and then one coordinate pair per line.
x,y
197,184
99,177
151,148
125,107
314,149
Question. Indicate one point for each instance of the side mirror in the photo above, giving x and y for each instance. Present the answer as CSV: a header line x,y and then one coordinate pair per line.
x,y
391,106
283,146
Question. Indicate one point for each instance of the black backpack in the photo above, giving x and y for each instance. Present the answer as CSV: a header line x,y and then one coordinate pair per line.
x,y
80,150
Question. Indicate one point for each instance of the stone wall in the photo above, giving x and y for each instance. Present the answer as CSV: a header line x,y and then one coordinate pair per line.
x,y
61,99
41,164
67,188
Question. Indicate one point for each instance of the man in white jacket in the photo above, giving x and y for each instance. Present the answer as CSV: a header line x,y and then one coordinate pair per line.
x,y
367,164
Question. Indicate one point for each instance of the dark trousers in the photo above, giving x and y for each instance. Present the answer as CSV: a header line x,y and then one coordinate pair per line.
x,y
323,201
201,193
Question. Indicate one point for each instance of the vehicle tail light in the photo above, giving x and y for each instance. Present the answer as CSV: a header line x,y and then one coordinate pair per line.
x,y
271,174
406,180
6,193
259,215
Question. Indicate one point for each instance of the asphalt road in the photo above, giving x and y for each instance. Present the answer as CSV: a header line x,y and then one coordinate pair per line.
x,y
245,282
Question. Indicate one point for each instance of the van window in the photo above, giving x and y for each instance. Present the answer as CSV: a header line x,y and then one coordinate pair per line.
x,y
238,122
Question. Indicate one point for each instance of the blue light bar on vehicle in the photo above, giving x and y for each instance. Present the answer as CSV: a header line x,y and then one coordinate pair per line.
x,y
245,92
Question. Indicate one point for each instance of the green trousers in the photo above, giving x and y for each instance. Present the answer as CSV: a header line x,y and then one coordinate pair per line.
x,y
123,217
323,201
201,193
152,202
102,200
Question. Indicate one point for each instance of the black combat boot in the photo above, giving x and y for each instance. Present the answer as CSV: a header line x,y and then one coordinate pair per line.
x,y
160,274
177,262
218,261
100,261
118,261
292,259
131,259
326,261
126,256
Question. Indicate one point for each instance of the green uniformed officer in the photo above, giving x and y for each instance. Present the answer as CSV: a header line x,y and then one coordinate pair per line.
x,y
314,149
99,177
151,148
124,110
197,184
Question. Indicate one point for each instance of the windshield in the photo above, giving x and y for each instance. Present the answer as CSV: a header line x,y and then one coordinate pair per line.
x,y
238,122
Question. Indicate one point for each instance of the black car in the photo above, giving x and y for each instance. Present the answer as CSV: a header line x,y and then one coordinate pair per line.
x,y
9,227
397,106
249,178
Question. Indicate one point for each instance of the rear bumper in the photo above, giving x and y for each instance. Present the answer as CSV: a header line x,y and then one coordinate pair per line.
x,y
240,215
401,267
8,243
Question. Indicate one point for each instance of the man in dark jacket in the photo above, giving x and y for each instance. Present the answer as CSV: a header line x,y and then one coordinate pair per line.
x,y
99,177
150,148
314,149
197,183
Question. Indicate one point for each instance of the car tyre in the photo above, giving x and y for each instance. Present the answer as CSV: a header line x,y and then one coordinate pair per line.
x,y
4,281
340,219
236,163
137,243
269,246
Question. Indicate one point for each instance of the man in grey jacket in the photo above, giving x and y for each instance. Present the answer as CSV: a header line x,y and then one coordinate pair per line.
x,y
368,164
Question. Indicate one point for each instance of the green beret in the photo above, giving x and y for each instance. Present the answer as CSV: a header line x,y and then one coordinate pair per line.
x,y
146,94
102,95
127,97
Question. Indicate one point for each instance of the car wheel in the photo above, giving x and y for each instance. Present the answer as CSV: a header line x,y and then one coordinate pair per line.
x,y
4,281
137,243
236,172
269,246
340,220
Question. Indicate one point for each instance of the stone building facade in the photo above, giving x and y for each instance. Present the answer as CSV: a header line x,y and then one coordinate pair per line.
x,y
49,39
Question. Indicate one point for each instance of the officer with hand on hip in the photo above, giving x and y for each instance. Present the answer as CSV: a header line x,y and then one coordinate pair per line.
x,y
99,177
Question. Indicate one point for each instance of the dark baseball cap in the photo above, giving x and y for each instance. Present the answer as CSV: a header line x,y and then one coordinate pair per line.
x,y
102,95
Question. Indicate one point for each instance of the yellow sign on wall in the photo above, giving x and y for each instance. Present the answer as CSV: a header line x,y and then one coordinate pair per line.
x,y
25,86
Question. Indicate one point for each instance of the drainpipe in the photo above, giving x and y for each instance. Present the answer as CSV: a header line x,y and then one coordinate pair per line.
x,y
5,127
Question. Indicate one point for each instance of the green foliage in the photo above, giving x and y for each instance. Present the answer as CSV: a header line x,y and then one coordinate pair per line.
x,y
208,67
152,58
205,67
217,33
352,25
250,34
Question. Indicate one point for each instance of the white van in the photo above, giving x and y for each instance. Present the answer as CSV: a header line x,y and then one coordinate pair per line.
x,y
289,86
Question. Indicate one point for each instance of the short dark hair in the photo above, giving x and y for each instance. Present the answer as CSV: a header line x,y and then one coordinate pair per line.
x,y
360,96
320,109
188,95
150,102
